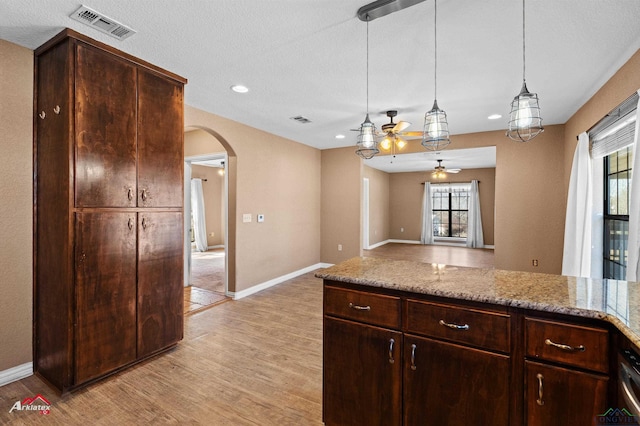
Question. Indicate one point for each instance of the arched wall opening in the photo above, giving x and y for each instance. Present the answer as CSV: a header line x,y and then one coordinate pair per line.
x,y
213,148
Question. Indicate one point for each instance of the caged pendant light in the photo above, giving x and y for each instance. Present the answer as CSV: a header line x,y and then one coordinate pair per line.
x,y
367,144
525,122
436,128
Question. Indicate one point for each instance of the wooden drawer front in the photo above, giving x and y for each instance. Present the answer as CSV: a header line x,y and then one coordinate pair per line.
x,y
489,330
361,306
576,345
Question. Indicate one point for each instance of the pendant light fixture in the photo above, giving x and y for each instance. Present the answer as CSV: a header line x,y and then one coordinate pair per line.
x,y
436,128
525,122
367,144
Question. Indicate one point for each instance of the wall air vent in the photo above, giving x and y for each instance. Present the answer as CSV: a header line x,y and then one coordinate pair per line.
x,y
102,23
301,119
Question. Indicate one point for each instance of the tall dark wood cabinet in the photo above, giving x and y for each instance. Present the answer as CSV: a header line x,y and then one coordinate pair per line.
x,y
108,210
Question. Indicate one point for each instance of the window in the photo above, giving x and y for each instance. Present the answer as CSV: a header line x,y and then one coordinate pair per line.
x,y
617,179
450,207
611,148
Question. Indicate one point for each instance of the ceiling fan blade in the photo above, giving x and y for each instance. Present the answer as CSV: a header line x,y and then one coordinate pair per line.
x,y
454,170
400,126
414,134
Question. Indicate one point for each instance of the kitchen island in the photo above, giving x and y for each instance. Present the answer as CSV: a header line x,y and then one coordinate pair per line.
x,y
417,343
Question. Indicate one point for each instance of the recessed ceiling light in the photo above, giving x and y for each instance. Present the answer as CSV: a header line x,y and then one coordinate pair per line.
x,y
340,136
494,116
239,88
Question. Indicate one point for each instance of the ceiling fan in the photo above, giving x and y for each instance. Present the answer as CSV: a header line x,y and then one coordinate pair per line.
x,y
440,172
393,133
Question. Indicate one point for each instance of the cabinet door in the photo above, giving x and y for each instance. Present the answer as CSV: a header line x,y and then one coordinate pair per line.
x,y
105,167
560,396
362,374
160,141
160,290
105,332
447,384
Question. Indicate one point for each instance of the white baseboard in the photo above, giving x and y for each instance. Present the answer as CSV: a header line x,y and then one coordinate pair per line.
x,y
16,373
404,241
259,287
215,247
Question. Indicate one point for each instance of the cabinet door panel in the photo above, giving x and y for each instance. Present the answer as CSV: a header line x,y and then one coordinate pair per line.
x,y
160,290
454,385
105,293
361,385
567,397
160,147
105,172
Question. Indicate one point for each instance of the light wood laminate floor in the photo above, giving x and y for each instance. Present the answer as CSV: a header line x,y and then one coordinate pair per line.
x,y
255,361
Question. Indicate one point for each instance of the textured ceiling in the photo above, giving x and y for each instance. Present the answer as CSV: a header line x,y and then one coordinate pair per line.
x,y
308,57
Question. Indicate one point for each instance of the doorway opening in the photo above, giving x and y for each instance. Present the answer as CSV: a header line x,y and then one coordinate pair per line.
x,y
206,212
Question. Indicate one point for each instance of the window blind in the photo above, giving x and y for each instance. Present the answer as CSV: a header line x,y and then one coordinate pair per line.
x,y
616,130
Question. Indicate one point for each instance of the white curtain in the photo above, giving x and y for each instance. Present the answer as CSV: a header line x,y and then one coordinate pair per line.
x,y
427,216
197,212
475,239
633,259
576,258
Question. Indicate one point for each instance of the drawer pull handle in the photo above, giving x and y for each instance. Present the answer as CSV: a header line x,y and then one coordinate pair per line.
x,y
413,357
359,308
391,342
540,377
567,348
454,326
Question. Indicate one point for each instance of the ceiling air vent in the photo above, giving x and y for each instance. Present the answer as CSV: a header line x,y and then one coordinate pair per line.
x,y
102,23
301,119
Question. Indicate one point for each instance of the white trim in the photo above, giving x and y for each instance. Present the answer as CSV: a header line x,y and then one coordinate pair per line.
x,y
405,241
381,243
215,247
259,287
16,373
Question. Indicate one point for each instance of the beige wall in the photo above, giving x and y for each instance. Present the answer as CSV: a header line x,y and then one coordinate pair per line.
x,y
379,214
341,204
406,191
276,177
213,193
16,208
199,142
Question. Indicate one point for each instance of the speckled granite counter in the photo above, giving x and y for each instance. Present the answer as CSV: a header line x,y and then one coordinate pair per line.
x,y
617,302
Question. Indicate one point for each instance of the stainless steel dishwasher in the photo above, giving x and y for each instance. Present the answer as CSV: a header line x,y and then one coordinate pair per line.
x,y
629,380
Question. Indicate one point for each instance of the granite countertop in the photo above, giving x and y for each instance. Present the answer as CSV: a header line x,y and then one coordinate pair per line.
x,y
617,302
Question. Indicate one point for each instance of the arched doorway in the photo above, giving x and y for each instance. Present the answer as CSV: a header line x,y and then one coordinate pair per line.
x,y
209,165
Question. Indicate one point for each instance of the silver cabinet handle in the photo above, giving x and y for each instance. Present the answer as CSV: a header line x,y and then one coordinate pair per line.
x,y
359,308
130,194
413,357
56,109
540,389
143,195
391,342
567,348
454,326
42,115
144,223
130,224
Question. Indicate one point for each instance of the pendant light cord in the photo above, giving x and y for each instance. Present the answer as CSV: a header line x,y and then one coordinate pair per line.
x,y
367,64
523,46
435,50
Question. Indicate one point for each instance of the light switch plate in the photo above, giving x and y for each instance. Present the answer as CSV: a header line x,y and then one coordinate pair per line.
x,y
246,218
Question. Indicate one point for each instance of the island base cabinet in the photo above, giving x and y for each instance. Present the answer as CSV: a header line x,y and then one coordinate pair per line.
x,y
560,396
448,384
362,374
